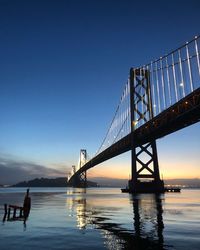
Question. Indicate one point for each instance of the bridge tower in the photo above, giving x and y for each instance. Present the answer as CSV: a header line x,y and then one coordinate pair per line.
x,y
83,175
81,179
145,169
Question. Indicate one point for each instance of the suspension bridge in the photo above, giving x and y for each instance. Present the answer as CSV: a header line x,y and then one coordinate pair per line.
x,y
158,99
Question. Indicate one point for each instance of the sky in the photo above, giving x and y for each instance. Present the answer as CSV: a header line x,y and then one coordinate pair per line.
x,y
63,66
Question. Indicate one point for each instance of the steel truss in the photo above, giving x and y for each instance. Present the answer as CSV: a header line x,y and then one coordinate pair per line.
x,y
83,176
144,156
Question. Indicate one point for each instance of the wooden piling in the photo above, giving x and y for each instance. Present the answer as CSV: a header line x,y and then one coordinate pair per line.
x,y
5,209
21,212
14,213
8,213
5,212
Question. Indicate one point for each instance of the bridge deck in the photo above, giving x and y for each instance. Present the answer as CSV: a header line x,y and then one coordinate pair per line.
x,y
182,114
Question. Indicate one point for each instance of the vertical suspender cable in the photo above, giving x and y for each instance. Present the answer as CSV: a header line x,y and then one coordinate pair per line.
x,y
129,105
168,82
163,85
146,103
135,102
189,68
174,76
197,54
157,84
182,84
142,97
153,90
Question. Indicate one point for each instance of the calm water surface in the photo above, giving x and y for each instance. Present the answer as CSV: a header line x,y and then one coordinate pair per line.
x,y
102,218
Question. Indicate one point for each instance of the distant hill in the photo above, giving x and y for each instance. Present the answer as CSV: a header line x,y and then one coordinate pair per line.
x,y
111,182
102,182
191,183
46,182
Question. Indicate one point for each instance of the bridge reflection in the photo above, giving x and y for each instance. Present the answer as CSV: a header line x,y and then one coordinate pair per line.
x,y
147,227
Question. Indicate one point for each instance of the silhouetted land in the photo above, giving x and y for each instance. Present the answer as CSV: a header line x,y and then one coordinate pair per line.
x,y
102,182
111,182
188,183
46,182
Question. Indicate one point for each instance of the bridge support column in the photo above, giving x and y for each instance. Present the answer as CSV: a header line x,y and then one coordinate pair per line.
x,y
145,170
145,176
83,175
80,181
83,179
78,177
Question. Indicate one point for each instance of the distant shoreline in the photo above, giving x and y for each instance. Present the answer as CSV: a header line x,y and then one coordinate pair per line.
x,y
101,182
98,186
47,182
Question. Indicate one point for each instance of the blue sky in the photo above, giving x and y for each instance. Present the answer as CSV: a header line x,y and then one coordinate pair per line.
x,y
63,66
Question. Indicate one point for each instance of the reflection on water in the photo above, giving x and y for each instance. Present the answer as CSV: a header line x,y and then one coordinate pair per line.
x,y
147,232
100,218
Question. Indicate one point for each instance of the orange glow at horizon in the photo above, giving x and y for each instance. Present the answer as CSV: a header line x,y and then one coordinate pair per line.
x,y
168,170
176,161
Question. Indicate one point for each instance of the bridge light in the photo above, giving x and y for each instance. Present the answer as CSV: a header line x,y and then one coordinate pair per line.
x,y
181,84
186,102
135,123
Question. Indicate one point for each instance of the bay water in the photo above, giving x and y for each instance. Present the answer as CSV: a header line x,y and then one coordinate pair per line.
x,y
101,218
